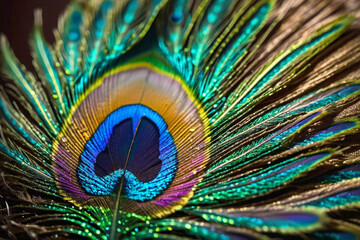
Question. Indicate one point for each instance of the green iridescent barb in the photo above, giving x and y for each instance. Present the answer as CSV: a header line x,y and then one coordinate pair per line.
x,y
179,119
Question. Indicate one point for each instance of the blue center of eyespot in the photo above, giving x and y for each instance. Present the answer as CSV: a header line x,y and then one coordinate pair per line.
x,y
132,142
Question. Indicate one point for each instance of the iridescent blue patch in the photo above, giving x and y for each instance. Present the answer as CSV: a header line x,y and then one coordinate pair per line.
x,y
132,142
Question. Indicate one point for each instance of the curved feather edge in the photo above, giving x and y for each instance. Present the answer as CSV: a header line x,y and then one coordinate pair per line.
x,y
45,64
204,230
260,183
302,50
28,86
281,220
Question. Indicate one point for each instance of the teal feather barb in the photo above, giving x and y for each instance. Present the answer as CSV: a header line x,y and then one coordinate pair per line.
x,y
179,119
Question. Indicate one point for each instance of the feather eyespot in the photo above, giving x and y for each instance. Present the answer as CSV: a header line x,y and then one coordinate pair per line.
x,y
131,143
136,140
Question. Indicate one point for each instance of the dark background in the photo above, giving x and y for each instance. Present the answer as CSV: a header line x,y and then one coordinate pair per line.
x,y
17,19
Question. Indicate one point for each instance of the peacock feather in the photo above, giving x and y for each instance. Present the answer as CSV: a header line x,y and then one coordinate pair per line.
x,y
200,119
